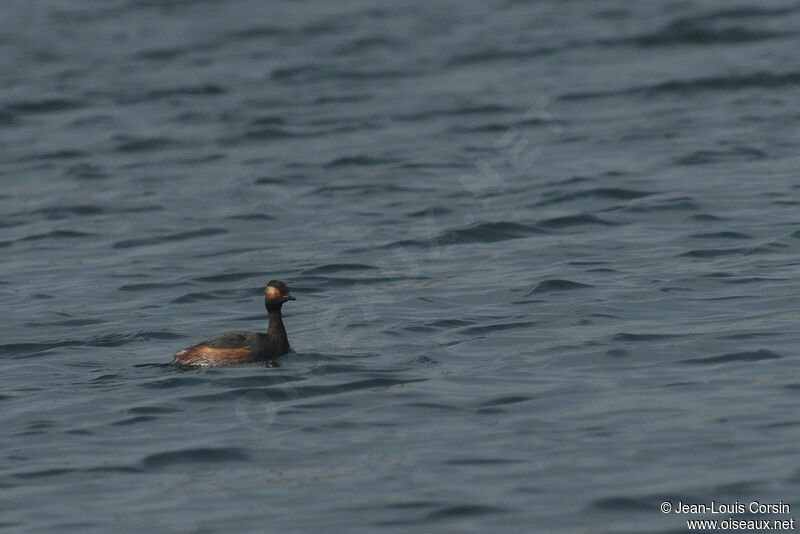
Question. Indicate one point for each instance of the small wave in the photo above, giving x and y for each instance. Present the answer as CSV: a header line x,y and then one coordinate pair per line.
x,y
105,340
460,111
258,32
207,455
505,400
670,204
418,329
230,277
574,220
556,284
127,143
176,381
430,165
74,322
435,406
721,235
314,73
152,410
487,233
45,105
370,42
768,248
705,217
713,253
341,281
107,377
754,356
757,80
127,421
610,193
743,12
147,335
161,54
359,161
623,504
7,223
63,212
485,56
325,27
136,96
485,329
362,189
195,297
54,155
261,128
252,216
227,252
464,511
46,473
180,236
491,127
449,323
747,335
148,286
268,120
263,133
346,98
704,157
281,392
266,380
705,29
33,349
113,340
481,461
208,89
337,268
691,34
433,211
57,234
625,336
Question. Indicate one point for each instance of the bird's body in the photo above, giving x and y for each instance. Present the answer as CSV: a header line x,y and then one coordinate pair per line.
x,y
233,348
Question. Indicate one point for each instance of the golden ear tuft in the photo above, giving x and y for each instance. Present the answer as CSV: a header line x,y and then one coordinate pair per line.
x,y
271,293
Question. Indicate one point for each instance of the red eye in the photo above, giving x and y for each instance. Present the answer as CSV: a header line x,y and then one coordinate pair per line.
x,y
278,293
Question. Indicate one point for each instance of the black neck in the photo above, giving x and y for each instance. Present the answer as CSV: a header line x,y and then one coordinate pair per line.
x,y
275,328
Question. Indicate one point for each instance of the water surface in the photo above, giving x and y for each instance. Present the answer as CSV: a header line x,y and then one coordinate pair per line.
x,y
546,258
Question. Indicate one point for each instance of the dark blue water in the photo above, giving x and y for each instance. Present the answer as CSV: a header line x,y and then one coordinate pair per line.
x,y
546,256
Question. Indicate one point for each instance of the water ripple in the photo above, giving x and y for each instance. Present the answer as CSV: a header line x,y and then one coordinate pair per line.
x,y
166,238
753,356
486,233
556,284
762,80
205,455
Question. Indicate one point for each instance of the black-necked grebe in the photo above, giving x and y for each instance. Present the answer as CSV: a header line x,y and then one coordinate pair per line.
x,y
244,347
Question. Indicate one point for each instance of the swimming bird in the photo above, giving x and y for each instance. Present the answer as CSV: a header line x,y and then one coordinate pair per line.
x,y
233,348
